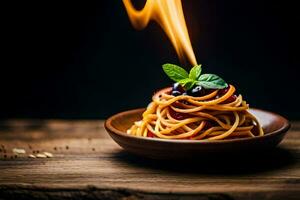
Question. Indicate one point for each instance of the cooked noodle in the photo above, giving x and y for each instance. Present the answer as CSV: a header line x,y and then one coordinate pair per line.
x,y
197,118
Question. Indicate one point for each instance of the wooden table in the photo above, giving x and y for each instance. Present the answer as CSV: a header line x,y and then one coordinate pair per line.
x,y
87,164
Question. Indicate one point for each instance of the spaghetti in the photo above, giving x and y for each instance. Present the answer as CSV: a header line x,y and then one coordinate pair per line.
x,y
208,117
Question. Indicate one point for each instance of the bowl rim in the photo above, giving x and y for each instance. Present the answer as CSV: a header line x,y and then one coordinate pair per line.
x,y
111,129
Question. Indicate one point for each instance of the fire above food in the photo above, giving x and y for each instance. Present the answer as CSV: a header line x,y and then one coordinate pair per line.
x,y
169,15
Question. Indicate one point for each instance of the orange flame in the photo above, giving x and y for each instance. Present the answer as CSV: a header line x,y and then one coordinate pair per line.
x,y
169,15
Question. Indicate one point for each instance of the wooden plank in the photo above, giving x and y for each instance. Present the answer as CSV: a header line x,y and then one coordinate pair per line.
x,y
88,164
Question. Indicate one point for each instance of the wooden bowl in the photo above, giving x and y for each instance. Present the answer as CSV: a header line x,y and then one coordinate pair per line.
x,y
274,125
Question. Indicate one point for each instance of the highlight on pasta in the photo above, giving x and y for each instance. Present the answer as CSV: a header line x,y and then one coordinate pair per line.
x,y
197,107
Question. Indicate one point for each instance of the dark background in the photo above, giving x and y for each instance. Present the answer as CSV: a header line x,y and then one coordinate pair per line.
x,y
85,60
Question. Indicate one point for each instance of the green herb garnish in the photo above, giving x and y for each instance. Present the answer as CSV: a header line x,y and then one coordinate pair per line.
x,y
188,80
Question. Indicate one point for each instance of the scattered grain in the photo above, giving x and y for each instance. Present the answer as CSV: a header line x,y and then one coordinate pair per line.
x,y
31,156
18,151
49,155
40,155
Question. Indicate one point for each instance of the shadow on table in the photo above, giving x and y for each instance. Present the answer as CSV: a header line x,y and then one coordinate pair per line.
x,y
233,164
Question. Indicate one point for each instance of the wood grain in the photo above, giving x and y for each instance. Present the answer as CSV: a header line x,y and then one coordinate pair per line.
x,y
87,164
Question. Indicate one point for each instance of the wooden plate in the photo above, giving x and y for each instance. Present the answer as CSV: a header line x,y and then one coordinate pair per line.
x,y
274,125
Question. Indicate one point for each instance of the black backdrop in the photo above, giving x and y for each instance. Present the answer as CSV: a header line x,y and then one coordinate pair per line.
x,y
84,60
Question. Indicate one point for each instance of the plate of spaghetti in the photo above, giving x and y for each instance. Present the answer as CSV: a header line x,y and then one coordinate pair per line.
x,y
199,114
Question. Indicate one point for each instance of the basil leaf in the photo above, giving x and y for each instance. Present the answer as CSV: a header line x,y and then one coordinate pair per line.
x,y
175,72
195,72
211,81
187,83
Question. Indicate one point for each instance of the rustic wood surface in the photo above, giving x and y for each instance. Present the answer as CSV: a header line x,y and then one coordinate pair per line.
x,y
87,164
